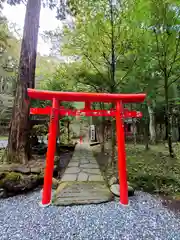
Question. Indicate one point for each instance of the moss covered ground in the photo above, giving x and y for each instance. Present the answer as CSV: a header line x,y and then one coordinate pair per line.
x,y
151,171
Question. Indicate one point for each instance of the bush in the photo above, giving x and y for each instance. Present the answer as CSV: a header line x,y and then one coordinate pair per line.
x,y
39,130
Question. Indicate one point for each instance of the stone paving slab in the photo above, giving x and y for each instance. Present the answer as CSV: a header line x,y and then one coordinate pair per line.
x,y
77,193
69,177
83,164
82,177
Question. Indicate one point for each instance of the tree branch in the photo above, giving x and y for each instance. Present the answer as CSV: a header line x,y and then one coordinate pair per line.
x,y
126,74
106,58
95,67
158,49
173,81
175,55
92,85
103,54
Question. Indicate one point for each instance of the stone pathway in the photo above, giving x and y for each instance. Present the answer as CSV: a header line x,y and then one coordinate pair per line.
x,y
82,182
83,166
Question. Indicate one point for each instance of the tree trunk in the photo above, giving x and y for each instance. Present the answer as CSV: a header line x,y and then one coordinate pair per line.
x,y
102,135
146,134
178,131
166,127
113,83
168,117
102,130
152,128
178,126
113,143
160,131
18,150
134,131
68,128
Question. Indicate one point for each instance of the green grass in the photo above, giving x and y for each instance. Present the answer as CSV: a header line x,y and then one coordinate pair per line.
x,y
3,137
153,171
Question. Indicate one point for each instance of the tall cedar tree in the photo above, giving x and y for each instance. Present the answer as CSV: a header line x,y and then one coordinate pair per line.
x,y
17,150
18,144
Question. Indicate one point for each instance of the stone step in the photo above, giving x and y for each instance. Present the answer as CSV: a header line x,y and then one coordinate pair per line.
x,y
77,193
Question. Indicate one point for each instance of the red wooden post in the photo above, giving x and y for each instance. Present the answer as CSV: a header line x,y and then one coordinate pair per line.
x,y
121,155
87,105
46,197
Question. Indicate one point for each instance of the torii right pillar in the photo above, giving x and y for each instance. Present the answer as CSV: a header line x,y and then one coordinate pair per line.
x,y
122,172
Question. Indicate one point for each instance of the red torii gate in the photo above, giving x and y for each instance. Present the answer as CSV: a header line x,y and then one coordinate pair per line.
x,y
56,110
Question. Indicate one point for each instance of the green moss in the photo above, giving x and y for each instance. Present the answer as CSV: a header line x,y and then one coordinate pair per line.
x,y
13,176
10,177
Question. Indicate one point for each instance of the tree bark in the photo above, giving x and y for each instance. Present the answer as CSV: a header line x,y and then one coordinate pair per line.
x,y
166,127
160,132
113,144
152,129
146,134
18,150
168,117
102,128
179,126
134,131
178,131
68,128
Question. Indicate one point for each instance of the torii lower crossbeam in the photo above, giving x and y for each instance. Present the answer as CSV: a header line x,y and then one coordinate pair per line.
x,y
56,111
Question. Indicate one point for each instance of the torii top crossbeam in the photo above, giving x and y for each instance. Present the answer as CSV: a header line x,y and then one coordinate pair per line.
x,y
84,96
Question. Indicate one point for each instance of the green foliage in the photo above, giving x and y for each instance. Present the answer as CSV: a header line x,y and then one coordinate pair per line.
x,y
61,80
40,130
92,39
6,104
135,42
45,67
8,70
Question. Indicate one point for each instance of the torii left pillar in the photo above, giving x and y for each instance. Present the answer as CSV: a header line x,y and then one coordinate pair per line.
x,y
122,172
53,127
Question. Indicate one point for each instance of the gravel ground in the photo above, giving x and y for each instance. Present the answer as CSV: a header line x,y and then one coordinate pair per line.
x,y
145,218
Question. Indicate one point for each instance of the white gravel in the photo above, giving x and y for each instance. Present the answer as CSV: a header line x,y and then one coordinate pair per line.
x,y
145,218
